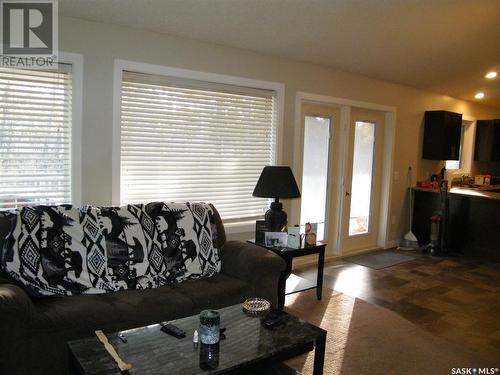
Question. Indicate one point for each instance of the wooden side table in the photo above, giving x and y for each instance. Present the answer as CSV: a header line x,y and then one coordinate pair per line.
x,y
299,284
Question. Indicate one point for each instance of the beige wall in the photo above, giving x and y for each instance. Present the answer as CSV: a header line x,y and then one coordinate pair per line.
x,y
100,44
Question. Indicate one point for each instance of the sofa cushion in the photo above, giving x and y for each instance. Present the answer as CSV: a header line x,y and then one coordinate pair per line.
x,y
81,315
61,319
215,292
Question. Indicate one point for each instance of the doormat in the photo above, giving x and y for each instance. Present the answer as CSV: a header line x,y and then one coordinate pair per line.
x,y
379,260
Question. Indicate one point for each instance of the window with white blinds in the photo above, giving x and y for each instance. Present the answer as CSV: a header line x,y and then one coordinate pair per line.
x,y
185,140
35,136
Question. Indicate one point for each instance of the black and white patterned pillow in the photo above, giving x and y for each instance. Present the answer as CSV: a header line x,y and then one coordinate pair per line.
x,y
186,238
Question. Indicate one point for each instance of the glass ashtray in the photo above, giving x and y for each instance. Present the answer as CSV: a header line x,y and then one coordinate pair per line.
x,y
256,306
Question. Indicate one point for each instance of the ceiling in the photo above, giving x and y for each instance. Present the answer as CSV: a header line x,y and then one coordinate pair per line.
x,y
445,46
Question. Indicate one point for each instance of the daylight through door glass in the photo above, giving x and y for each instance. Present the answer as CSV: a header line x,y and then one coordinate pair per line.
x,y
315,172
362,177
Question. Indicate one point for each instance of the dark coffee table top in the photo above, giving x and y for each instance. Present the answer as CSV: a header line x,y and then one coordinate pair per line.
x,y
150,351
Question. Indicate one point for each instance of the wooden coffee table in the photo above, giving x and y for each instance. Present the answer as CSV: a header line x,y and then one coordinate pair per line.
x,y
248,345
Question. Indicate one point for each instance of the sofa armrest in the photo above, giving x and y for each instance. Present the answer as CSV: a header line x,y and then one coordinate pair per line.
x,y
258,266
16,308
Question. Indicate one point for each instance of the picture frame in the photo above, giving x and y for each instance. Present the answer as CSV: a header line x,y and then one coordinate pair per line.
x,y
311,229
261,228
276,239
294,238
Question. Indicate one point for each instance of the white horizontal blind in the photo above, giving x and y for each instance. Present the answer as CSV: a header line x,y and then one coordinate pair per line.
x,y
185,140
35,136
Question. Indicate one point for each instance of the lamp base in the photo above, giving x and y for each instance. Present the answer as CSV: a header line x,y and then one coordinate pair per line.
x,y
276,218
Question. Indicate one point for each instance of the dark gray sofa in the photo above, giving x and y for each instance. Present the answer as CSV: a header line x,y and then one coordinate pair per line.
x,y
34,331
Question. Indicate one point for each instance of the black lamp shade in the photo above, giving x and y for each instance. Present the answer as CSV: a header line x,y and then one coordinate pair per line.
x,y
276,182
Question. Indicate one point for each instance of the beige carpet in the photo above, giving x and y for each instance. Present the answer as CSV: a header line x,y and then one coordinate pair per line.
x,y
368,339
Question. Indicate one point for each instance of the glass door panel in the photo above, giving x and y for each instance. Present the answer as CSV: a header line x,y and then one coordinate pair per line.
x,y
362,177
315,172
363,168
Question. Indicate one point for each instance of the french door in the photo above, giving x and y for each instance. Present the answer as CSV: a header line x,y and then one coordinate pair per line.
x,y
362,180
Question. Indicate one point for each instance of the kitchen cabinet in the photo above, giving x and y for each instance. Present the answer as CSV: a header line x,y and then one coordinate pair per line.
x,y
487,147
442,133
471,226
425,204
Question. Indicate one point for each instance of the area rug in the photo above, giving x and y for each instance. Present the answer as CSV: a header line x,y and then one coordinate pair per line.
x,y
368,339
379,260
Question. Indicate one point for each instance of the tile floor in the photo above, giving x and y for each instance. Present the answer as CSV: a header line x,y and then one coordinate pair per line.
x,y
452,297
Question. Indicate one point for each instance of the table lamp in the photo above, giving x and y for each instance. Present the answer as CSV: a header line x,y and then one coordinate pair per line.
x,y
276,182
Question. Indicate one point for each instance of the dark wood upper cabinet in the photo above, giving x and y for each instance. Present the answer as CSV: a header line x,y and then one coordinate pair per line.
x,y
442,133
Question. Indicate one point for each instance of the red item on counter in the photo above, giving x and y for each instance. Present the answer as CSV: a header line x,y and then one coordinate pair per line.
x,y
424,184
428,184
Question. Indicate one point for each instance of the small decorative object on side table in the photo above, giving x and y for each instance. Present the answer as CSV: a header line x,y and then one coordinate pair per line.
x,y
275,239
310,238
260,231
288,254
294,239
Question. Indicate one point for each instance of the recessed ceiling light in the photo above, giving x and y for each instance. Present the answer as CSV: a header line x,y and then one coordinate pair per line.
x,y
491,75
479,95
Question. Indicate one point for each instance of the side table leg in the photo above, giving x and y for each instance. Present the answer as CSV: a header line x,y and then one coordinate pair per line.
x,y
319,355
321,266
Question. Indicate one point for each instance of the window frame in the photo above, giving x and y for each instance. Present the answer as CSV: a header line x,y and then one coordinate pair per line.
x,y
467,138
140,67
76,62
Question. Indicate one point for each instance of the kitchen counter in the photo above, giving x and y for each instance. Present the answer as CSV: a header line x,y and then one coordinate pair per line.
x,y
471,227
471,192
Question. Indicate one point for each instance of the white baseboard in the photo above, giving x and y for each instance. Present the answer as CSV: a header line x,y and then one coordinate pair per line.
x,y
310,260
362,251
392,243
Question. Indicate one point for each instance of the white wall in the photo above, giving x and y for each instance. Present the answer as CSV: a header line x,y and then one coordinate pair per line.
x,y
100,44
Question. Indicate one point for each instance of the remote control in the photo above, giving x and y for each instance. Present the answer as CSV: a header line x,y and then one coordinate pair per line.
x,y
172,330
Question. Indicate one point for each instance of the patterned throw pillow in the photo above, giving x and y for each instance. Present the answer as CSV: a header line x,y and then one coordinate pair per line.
x,y
21,256
187,243
158,243
130,235
72,249
56,251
